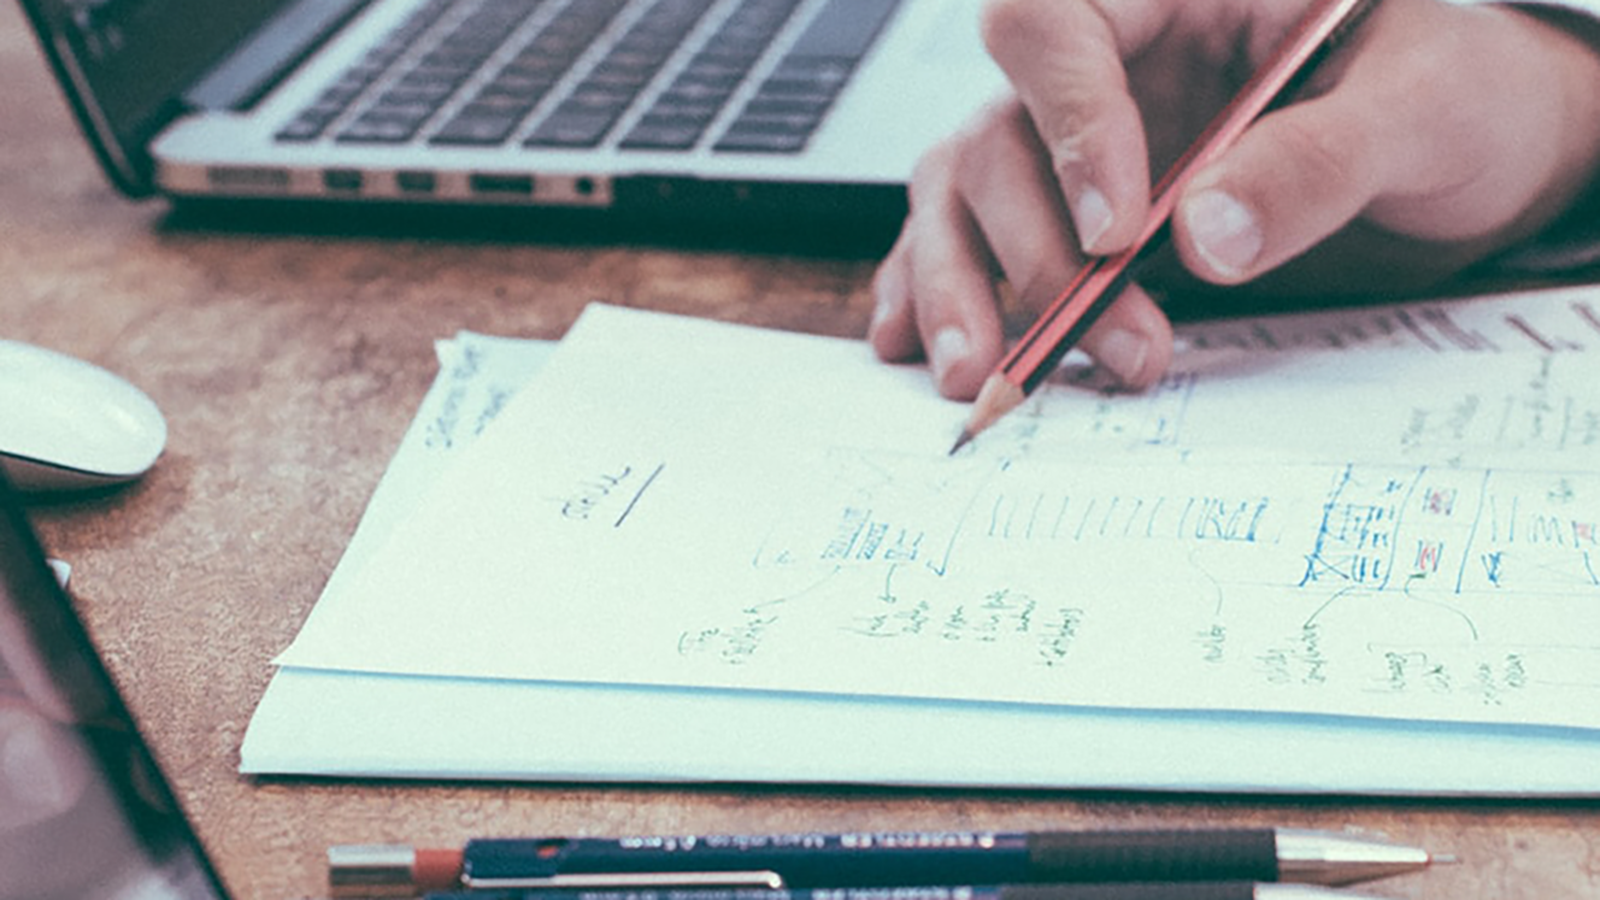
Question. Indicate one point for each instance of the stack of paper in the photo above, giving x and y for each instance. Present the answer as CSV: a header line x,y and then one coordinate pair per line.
x,y
695,551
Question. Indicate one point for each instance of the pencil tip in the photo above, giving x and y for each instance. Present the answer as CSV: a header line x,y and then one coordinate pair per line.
x,y
962,441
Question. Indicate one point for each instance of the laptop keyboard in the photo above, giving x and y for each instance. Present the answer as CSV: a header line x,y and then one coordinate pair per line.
x,y
533,72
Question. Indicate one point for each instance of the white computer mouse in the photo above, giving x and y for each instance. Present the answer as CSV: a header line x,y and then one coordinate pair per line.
x,y
66,424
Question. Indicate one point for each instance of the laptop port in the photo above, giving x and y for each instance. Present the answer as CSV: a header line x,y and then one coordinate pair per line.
x,y
344,181
501,184
416,182
246,178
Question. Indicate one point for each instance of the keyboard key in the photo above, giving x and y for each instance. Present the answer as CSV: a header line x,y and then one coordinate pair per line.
x,y
666,132
478,127
751,137
377,128
572,130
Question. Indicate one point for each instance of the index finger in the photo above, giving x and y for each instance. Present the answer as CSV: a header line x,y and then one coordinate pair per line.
x,y
1065,61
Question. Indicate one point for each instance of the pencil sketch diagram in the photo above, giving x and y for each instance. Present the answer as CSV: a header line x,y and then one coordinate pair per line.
x,y
1401,580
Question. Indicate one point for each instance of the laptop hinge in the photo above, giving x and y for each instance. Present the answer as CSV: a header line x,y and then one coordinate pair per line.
x,y
259,63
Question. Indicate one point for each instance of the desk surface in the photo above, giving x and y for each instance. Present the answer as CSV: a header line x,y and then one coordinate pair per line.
x,y
289,367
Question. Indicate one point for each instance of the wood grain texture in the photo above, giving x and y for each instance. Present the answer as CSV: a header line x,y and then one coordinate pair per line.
x,y
289,365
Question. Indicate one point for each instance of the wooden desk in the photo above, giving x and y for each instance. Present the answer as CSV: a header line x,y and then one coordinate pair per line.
x,y
288,368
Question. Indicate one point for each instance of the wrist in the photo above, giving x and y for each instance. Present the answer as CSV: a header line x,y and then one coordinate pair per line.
x,y
1564,229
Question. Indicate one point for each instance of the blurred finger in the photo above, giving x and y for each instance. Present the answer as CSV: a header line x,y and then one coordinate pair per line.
x,y
42,771
1010,191
893,330
948,279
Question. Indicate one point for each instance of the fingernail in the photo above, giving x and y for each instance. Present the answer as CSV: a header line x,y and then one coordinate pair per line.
x,y
1123,352
950,346
888,294
1091,216
1225,232
880,312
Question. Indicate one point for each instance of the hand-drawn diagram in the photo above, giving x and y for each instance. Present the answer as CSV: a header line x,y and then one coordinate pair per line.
x,y
1406,533
1291,586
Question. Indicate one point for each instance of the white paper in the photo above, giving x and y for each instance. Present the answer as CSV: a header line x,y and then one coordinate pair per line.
x,y
1367,534
345,723
352,724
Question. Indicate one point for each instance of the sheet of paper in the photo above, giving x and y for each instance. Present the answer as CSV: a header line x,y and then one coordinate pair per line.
x,y
339,723
478,376
359,725
1321,533
1558,320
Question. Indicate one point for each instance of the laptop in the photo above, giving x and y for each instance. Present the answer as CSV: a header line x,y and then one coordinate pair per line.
x,y
85,813
738,108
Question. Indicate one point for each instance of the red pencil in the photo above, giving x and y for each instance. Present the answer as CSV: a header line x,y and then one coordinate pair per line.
x,y
1103,278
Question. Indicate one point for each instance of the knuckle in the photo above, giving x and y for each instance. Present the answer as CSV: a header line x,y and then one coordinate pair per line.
x,y
931,176
964,158
1001,22
1326,162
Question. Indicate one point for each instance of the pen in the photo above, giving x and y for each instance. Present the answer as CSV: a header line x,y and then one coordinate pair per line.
x,y
1213,890
1102,279
874,860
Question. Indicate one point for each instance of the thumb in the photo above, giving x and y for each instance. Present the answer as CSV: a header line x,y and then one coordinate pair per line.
x,y
1296,177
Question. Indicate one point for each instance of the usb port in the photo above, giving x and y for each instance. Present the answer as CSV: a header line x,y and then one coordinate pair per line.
x,y
501,184
415,182
342,180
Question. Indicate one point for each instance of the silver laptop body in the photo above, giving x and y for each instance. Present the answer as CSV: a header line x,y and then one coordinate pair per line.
x,y
771,104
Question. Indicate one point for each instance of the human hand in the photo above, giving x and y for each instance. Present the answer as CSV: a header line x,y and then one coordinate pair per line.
x,y
1440,135
61,831
42,769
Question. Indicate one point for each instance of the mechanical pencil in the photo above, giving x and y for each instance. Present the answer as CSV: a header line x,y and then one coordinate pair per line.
x,y
873,860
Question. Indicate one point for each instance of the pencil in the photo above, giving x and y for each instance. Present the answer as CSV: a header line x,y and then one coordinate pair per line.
x,y
1103,278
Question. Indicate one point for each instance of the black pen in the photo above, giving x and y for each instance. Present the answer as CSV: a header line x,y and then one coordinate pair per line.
x,y
899,859
1182,890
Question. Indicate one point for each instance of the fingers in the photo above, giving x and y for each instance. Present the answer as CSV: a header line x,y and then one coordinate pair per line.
x,y
1446,125
1442,127
983,201
1065,62
1014,197
935,290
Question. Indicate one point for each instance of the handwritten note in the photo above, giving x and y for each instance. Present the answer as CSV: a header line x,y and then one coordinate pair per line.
x,y
1377,533
478,376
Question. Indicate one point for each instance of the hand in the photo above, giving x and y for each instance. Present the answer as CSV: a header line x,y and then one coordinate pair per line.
x,y
61,831
42,769
1440,135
